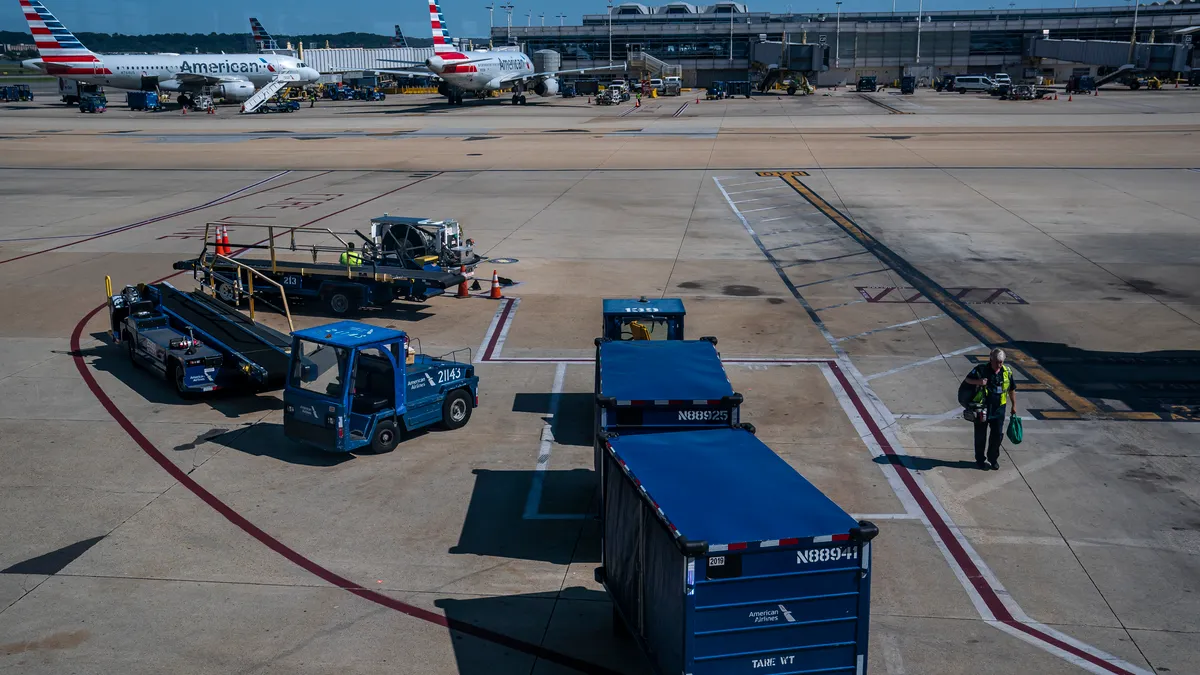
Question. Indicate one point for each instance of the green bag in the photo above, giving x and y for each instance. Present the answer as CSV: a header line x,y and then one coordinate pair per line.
x,y
1015,433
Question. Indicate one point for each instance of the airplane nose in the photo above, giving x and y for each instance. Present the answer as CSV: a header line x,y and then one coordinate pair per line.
x,y
311,75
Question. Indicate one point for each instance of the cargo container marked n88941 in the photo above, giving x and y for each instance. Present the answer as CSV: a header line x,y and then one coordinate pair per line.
x,y
481,70
234,77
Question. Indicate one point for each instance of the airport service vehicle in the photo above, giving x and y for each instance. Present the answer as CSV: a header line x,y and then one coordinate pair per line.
x,y
197,343
908,85
143,100
71,91
973,83
483,71
1002,78
93,103
233,77
16,92
353,386
422,244
651,385
656,86
1080,84
374,277
866,83
716,91
721,559
672,86
642,319
738,88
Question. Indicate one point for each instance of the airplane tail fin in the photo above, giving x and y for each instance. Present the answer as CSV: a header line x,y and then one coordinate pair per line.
x,y
398,40
61,52
262,38
442,44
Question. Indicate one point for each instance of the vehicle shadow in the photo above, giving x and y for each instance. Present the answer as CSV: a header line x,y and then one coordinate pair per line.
x,y
266,439
916,463
510,634
532,515
233,403
573,422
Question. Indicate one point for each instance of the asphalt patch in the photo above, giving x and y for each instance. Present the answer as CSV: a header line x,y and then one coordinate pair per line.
x,y
740,291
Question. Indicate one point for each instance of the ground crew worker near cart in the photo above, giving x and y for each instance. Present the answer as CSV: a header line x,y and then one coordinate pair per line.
x,y
996,391
350,256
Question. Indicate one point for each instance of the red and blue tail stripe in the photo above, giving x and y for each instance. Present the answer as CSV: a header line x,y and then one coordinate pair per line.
x,y
61,51
443,46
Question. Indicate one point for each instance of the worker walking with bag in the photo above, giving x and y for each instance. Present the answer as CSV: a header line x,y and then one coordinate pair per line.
x,y
987,407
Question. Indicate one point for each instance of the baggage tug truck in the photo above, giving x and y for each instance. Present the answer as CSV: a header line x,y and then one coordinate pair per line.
x,y
721,559
643,319
354,386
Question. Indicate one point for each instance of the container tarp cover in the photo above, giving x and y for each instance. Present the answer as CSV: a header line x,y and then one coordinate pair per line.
x,y
662,371
725,486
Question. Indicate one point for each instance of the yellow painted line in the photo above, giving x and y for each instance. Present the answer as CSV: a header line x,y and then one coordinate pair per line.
x,y
955,308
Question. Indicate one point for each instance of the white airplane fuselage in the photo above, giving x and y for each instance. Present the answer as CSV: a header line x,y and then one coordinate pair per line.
x,y
128,71
480,70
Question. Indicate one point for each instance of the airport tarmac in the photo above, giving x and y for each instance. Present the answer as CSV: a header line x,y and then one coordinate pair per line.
x,y
854,261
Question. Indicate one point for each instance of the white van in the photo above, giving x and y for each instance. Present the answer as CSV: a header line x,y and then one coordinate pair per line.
x,y
1001,78
978,83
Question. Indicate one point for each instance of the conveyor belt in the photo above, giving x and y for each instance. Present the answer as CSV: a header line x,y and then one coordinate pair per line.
x,y
442,280
233,330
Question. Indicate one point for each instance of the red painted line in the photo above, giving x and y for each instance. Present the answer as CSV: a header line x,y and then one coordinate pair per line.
x,y
964,561
487,353
296,558
156,219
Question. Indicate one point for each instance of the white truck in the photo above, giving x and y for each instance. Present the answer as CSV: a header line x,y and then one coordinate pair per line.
x,y
72,91
672,86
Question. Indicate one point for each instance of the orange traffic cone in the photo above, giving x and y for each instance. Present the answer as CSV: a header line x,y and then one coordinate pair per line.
x,y
495,295
225,248
1070,97
1056,96
462,287
1096,92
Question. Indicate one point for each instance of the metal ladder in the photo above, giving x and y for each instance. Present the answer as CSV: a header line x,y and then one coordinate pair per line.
x,y
269,89
654,66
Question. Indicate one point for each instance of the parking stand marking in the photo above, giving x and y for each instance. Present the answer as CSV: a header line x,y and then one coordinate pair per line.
x,y
875,426
534,500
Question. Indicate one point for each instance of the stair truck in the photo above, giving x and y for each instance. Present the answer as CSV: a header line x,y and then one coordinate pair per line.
x,y
642,319
644,386
721,559
357,387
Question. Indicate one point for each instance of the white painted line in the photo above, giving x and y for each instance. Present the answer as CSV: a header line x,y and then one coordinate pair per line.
x,y
842,278
840,304
534,499
765,180
506,311
769,208
885,516
894,326
769,220
932,359
753,199
938,417
742,192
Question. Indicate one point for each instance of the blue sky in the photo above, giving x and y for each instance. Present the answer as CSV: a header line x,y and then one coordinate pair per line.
x,y
466,17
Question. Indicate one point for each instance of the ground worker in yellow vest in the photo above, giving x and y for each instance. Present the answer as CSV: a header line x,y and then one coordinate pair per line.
x,y
996,391
350,256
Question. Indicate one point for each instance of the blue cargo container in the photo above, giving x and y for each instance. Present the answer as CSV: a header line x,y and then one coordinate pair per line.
x,y
721,559
658,386
143,100
643,319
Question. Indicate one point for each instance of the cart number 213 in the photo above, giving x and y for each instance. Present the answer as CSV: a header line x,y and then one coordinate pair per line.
x,y
826,555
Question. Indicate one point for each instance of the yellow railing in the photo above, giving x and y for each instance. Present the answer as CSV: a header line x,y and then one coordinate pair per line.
x,y
250,274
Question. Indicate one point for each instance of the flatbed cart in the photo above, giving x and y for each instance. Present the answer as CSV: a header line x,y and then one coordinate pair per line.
x,y
341,288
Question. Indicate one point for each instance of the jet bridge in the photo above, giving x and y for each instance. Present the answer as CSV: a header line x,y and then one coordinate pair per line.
x,y
1151,58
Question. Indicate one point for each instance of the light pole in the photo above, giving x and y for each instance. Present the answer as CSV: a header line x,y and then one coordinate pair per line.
x,y
1133,37
920,10
491,24
543,17
529,18
730,36
561,17
508,8
837,38
610,6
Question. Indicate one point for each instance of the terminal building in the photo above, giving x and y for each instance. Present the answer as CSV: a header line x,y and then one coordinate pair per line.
x,y
716,42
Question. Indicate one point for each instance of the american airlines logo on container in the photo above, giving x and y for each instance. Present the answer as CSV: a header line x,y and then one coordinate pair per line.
x,y
772,615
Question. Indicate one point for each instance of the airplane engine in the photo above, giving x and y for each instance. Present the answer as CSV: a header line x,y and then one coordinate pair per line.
x,y
546,87
236,91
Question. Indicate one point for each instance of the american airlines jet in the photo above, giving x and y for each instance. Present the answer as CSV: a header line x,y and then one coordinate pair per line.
x,y
234,77
483,71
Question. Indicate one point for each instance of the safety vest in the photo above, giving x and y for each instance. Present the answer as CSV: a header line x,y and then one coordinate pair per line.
x,y
350,258
1006,384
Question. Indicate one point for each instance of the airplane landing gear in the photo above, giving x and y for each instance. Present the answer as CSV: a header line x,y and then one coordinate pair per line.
x,y
454,99
518,99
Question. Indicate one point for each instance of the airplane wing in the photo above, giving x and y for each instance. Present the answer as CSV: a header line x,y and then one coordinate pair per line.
x,y
410,73
198,79
520,77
